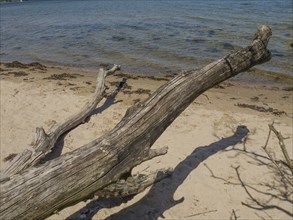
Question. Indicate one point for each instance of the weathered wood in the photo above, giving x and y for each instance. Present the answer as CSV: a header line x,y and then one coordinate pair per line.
x,y
44,142
39,191
133,184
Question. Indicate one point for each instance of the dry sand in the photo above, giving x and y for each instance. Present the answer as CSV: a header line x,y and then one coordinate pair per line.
x,y
203,149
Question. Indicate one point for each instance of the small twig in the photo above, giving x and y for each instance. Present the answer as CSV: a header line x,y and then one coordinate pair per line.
x,y
201,213
268,138
270,217
233,215
219,178
277,166
207,97
262,206
245,188
284,150
283,146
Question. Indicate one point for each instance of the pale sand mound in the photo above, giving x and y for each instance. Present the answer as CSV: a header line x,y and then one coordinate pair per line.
x,y
203,146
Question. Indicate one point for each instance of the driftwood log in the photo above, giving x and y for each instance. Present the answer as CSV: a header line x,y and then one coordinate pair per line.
x,y
30,190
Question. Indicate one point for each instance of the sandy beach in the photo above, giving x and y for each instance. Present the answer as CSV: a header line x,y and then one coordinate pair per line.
x,y
203,148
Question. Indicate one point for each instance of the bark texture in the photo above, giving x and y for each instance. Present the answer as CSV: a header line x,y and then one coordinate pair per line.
x,y
39,191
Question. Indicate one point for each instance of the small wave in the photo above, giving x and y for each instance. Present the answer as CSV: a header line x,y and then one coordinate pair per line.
x,y
201,19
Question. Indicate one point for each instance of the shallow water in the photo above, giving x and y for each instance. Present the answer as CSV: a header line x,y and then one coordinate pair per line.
x,y
147,36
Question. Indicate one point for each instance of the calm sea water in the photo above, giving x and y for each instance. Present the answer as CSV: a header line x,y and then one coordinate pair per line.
x,y
147,36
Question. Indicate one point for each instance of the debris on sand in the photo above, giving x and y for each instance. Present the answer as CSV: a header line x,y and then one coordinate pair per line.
x,y
261,109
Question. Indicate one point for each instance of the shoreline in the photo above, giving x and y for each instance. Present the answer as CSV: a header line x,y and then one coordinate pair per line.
x,y
253,76
35,95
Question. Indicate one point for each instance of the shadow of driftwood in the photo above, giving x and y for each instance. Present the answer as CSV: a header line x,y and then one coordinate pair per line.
x,y
111,99
57,150
93,207
160,197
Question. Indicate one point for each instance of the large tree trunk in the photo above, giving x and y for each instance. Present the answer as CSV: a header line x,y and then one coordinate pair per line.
x,y
97,167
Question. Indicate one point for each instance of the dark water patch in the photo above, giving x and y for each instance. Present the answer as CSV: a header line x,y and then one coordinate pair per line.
x,y
245,4
180,25
85,56
17,48
276,53
79,37
60,36
118,38
156,38
196,40
227,46
46,38
132,27
200,19
77,26
148,47
211,33
213,50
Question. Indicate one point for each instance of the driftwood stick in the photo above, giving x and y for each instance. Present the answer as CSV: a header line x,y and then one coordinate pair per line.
x,y
201,213
37,192
284,150
283,146
233,215
133,184
155,153
260,204
44,142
